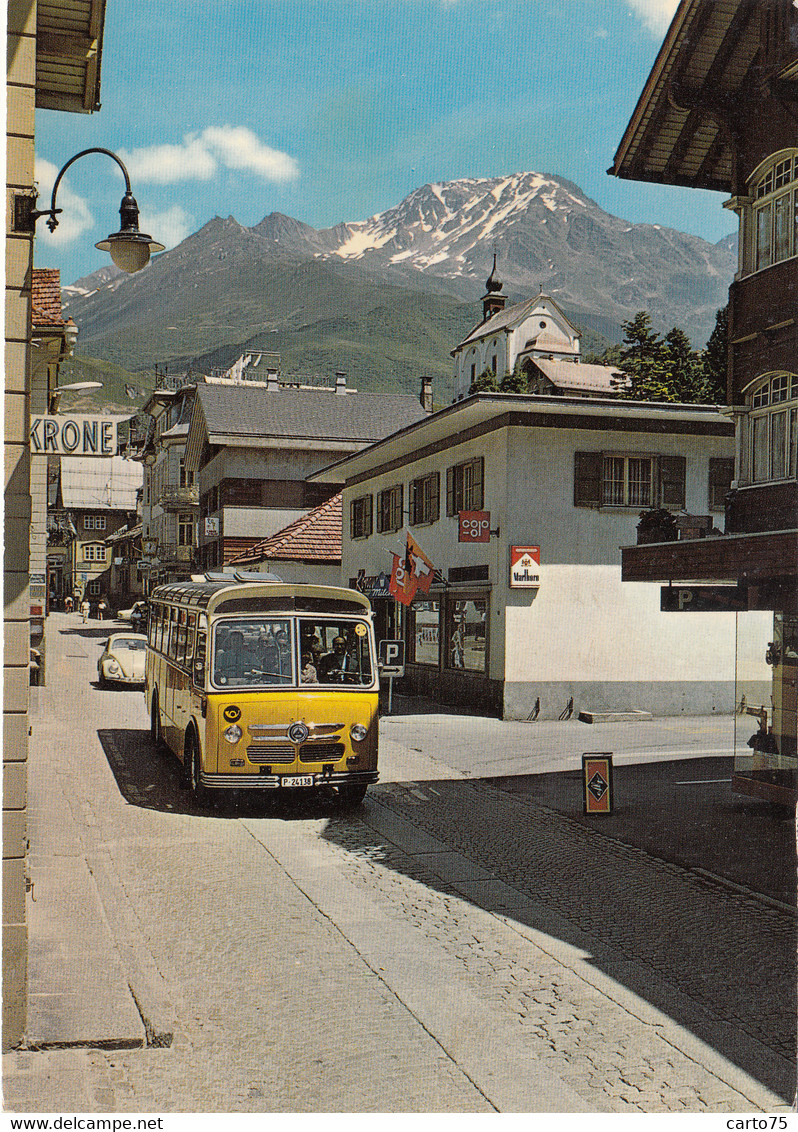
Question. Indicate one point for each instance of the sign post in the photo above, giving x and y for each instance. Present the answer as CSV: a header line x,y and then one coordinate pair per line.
x,y
597,782
391,662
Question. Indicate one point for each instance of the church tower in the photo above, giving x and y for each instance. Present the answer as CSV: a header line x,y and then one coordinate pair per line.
x,y
492,301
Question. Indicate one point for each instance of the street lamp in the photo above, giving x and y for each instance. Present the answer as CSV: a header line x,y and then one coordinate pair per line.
x,y
73,386
130,249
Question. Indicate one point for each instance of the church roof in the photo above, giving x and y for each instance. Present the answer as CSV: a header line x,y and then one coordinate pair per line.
x,y
511,317
579,376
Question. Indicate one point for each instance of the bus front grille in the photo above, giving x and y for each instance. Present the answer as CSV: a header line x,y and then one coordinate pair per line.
x,y
321,752
271,752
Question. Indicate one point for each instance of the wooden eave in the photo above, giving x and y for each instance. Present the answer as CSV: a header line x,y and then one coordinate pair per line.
x,y
682,129
69,38
753,557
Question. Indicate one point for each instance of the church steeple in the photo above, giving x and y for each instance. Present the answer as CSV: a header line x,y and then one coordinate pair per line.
x,y
492,301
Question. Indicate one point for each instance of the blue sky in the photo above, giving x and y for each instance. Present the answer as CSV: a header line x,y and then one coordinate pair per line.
x,y
333,110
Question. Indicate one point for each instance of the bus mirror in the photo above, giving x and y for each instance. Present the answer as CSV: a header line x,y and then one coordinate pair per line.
x,y
199,672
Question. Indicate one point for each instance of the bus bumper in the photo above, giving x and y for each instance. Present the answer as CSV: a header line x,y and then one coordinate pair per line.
x,y
287,781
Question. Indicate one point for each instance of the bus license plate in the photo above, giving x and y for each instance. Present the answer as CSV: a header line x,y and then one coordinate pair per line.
x,y
297,780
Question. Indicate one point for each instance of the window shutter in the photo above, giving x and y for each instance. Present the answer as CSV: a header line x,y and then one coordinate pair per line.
x,y
352,518
398,506
450,491
380,512
412,495
721,474
479,483
434,496
369,524
587,479
672,476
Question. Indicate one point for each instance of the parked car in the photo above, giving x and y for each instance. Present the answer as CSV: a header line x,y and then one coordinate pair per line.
x,y
127,614
122,660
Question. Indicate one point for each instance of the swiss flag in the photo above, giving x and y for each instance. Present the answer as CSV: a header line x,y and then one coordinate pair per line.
x,y
418,565
401,586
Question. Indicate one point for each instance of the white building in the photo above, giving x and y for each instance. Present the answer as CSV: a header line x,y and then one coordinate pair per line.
x,y
534,336
571,478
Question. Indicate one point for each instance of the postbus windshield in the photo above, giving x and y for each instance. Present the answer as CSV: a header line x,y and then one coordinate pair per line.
x,y
288,651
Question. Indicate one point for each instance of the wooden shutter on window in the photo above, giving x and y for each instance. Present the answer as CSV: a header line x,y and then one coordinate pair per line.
x,y
587,479
478,491
434,496
398,507
672,477
369,523
721,474
352,503
381,510
450,509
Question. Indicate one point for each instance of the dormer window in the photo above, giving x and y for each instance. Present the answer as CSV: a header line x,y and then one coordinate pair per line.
x,y
775,211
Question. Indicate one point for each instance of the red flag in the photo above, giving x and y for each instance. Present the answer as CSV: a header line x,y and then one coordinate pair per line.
x,y
419,566
402,585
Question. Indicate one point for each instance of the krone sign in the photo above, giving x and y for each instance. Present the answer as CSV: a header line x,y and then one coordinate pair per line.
x,y
70,435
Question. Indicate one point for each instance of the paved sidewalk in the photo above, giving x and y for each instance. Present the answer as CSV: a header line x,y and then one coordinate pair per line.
x,y
464,932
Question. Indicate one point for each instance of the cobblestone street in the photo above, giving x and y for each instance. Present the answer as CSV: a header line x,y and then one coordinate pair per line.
x,y
452,946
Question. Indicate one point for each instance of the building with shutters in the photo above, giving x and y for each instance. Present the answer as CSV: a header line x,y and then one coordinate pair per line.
x,y
495,473
718,112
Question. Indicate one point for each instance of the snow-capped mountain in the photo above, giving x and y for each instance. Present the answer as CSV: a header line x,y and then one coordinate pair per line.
x,y
226,285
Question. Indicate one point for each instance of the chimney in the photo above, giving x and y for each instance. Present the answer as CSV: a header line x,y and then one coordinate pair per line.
x,y
340,382
426,394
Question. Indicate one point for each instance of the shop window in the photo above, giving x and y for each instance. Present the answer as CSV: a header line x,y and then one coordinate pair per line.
x,y
423,630
360,517
775,211
466,633
721,474
425,504
609,479
772,430
389,508
464,486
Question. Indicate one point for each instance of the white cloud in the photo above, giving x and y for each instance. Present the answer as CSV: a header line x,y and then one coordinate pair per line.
x,y
200,156
76,217
169,226
655,14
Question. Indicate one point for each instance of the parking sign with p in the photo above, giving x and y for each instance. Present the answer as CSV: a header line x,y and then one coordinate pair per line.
x,y
391,658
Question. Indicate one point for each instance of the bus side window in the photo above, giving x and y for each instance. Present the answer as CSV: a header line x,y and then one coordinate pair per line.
x,y
192,625
173,615
199,658
151,626
163,613
180,647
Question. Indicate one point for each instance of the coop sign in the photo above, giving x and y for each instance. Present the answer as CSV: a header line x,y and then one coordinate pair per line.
x,y
524,567
73,435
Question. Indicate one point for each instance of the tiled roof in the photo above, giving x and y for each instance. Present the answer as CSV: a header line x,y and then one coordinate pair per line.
x,y
580,375
314,537
321,414
46,297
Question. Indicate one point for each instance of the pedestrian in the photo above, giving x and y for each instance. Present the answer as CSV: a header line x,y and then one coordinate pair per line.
x,y
101,609
68,603
85,609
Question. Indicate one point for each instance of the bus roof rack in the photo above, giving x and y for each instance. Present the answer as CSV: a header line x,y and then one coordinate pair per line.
x,y
235,576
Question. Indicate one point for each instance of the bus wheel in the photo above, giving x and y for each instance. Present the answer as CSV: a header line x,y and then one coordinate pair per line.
x,y
352,795
191,762
156,732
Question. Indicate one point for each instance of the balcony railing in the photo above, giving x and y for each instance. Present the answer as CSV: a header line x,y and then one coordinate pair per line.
x,y
172,497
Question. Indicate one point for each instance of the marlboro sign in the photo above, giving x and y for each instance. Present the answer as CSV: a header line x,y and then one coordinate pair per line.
x,y
524,567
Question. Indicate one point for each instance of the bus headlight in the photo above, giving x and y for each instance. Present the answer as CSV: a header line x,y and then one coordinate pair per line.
x,y
233,733
358,732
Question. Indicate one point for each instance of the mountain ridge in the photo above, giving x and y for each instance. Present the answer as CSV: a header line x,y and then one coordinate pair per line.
x,y
227,286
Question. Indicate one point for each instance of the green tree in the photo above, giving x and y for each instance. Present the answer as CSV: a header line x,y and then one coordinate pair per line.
x,y
714,361
645,362
686,375
487,382
517,381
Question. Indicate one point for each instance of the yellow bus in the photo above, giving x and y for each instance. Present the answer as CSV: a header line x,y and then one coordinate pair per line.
x,y
264,685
